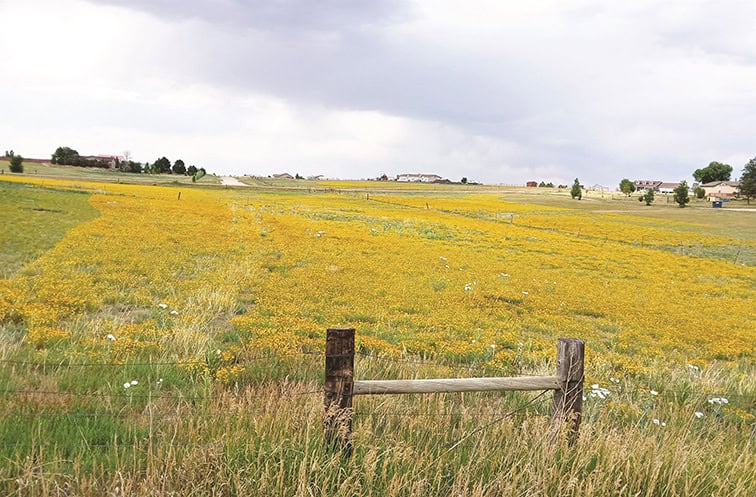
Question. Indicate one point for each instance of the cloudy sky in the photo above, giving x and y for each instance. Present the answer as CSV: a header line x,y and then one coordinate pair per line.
x,y
497,91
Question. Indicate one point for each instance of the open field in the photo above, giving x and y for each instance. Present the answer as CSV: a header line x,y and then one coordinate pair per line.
x,y
157,346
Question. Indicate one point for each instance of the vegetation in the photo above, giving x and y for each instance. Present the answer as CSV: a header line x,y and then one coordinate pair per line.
x,y
715,171
220,341
647,197
748,181
577,190
16,164
699,192
681,194
626,186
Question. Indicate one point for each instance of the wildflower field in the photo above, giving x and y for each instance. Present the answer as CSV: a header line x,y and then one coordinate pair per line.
x,y
168,340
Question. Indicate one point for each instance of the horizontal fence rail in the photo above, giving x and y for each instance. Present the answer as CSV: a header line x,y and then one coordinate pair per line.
x,y
448,385
340,386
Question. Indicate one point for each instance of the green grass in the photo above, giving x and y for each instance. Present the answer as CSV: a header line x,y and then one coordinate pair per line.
x,y
34,219
105,175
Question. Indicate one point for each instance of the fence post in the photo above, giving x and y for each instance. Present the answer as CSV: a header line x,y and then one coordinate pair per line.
x,y
568,400
339,383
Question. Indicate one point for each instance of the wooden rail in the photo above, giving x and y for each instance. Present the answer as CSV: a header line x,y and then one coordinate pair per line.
x,y
340,387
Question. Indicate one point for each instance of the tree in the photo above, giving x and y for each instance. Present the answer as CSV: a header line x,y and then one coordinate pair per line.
x,y
162,165
626,186
549,185
191,170
715,171
681,194
577,191
65,156
647,197
699,192
463,180
179,167
542,184
16,163
748,181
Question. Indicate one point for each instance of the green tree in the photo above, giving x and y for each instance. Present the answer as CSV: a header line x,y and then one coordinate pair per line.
x,y
191,170
748,181
16,163
681,194
699,192
162,165
647,197
463,180
715,171
626,186
179,167
577,191
65,156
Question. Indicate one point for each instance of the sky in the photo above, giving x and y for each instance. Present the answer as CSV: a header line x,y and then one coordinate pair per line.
x,y
499,92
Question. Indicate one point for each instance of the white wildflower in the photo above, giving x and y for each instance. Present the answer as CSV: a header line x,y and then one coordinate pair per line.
x,y
174,312
126,385
320,233
718,400
493,345
163,306
525,293
110,337
442,259
654,393
504,275
699,414
693,367
468,287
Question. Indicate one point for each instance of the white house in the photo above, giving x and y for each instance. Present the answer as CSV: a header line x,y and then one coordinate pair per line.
x,y
422,178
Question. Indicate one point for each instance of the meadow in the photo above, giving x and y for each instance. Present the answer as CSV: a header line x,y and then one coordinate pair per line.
x,y
157,345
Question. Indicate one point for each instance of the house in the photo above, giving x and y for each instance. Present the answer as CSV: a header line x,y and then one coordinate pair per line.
x,y
667,187
317,177
647,185
531,184
717,190
283,176
112,161
420,178
599,188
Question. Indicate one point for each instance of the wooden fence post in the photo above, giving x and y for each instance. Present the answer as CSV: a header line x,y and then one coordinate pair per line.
x,y
339,384
568,400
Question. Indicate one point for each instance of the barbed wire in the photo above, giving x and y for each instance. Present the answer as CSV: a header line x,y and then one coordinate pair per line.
x,y
150,395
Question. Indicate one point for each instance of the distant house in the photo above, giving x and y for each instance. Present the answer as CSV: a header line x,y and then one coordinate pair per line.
x,y
644,184
717,190
283,176
318,177
111,160
599,188
531,184
418,178
667,187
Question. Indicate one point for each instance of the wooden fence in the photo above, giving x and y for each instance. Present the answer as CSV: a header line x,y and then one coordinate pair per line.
x,y
340,386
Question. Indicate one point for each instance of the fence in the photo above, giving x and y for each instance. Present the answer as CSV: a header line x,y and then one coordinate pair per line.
x,y
340,386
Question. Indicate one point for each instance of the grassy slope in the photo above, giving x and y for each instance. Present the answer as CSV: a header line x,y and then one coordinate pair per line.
x,y
34,219
264,438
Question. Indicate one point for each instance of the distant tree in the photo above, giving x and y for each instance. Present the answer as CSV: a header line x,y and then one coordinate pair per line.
x,y
16,163
647,197
681,194
715,171
162,165
626,186
66,156
198,175
549,185
179,167
577,191
748,181
699,192
297,176
463,180
191,170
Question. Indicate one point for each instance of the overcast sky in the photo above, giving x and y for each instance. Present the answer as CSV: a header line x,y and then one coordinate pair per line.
x,y
497,91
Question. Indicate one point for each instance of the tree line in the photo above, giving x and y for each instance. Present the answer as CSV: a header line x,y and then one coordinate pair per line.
x,y
70,157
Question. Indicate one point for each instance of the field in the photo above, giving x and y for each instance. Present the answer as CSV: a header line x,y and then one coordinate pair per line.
x,y
157,345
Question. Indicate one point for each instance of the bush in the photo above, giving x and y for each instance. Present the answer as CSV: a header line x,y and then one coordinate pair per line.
x,y
16,164
700,192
